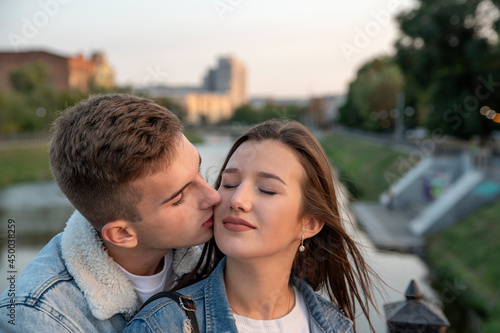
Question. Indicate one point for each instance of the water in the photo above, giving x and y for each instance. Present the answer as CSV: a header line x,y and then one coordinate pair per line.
x,y
41,211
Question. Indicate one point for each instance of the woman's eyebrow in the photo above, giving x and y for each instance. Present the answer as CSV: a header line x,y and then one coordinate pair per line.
x,y
263,174
260,174
230,170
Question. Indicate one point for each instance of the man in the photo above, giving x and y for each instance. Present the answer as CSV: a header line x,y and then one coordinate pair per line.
x,y
134,180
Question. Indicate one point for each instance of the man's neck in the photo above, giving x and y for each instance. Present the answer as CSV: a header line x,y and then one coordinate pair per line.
x,y
135,262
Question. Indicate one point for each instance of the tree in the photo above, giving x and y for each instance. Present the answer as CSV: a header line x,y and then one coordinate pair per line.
x,y
372,95
449,54
247,114
177,108
30,77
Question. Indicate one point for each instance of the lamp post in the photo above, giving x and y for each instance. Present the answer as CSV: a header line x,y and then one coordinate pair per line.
x,y
415,315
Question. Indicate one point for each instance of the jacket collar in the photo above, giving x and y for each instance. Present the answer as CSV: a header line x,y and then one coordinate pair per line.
x,y
107,289
323,312
218,313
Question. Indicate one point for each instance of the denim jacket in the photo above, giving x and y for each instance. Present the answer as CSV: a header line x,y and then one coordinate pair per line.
x,y
73,285
214,314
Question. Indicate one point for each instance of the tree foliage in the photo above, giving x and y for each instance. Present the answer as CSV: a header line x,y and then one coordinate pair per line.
x,y
33,104
246,114
177,108
372,95
449,54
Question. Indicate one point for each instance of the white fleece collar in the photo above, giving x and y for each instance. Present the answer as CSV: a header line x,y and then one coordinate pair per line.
x,y
107,289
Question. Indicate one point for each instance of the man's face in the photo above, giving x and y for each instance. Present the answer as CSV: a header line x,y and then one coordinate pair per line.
x,y
176,204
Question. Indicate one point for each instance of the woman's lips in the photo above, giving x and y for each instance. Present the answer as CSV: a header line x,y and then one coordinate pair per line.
x,y
236,224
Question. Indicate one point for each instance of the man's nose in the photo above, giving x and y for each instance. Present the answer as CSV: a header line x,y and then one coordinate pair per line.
x,y
211,197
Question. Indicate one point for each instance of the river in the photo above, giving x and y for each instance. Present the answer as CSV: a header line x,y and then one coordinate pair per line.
x,y
40,211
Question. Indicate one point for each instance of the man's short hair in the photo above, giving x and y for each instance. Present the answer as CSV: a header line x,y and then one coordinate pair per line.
x,y
105,142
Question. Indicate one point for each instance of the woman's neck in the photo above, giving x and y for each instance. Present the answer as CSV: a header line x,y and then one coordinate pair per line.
x,y
259,291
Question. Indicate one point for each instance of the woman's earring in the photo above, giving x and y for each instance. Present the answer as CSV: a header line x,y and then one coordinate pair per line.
x,y
302,248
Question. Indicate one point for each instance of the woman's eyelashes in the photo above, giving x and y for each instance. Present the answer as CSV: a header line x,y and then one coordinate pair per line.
x,y
264,190
267,191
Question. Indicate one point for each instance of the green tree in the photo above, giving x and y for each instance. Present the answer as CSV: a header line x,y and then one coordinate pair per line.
x,y
32,104
177,108
247,114
449,54
29,78
372,95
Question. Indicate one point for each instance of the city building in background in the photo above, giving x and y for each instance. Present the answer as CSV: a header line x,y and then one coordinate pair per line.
x,y
221,92
65,73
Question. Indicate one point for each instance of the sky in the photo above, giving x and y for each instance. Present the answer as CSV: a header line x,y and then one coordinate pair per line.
x,y
291,48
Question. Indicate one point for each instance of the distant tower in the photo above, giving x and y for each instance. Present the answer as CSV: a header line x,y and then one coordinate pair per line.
x,y
229,77
103,73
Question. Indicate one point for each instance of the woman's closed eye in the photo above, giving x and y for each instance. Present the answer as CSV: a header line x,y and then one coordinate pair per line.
x,y
267,191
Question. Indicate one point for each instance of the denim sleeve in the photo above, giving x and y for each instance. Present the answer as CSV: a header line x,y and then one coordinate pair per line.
x,y
162,317
137,326
25,318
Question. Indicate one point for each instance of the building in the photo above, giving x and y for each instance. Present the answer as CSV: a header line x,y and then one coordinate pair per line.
x,y
325,109
229,77
221,92
64,72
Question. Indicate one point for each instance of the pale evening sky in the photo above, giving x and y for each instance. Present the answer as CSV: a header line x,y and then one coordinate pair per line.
x,y
292,48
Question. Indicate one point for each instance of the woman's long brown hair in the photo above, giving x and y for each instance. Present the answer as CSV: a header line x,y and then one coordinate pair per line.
x,y
332,260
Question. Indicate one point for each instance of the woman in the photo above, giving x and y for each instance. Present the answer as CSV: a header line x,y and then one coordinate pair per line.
x,y
278,238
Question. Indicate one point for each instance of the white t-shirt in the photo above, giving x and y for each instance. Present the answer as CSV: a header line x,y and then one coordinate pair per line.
x,y
147,286
296,321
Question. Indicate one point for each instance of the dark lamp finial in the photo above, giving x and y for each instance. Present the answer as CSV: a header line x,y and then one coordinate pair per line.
x,y
413,291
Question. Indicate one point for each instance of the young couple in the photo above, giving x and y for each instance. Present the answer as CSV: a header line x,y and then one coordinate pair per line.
x,y
142,206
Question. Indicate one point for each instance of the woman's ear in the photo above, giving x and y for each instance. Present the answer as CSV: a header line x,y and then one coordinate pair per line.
x,y
120,233
311,226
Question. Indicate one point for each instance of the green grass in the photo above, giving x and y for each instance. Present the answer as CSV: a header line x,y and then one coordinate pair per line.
x,y
371,168
193,136
24,163
469,252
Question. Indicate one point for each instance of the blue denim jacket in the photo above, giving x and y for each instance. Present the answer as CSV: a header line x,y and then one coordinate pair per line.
x,y
214,314
73,285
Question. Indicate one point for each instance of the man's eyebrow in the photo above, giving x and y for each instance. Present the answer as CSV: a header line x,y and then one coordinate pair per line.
x,y
183,188
175,194
263,174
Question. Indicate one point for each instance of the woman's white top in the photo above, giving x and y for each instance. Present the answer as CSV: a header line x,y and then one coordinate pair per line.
x,y
296,321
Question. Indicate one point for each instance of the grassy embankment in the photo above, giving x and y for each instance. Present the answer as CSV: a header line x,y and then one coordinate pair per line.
x,y
24,163
466,261
366,168
464,258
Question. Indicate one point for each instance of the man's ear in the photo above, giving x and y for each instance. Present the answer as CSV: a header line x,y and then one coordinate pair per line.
x,y
311,226
120,233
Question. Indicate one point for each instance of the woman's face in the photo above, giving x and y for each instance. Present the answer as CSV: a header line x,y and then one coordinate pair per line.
x,y
260,212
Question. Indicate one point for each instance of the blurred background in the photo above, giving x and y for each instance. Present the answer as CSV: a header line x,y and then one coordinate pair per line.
x,y
403,95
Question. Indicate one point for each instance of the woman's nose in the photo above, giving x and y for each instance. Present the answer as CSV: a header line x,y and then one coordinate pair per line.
x,y
240,200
